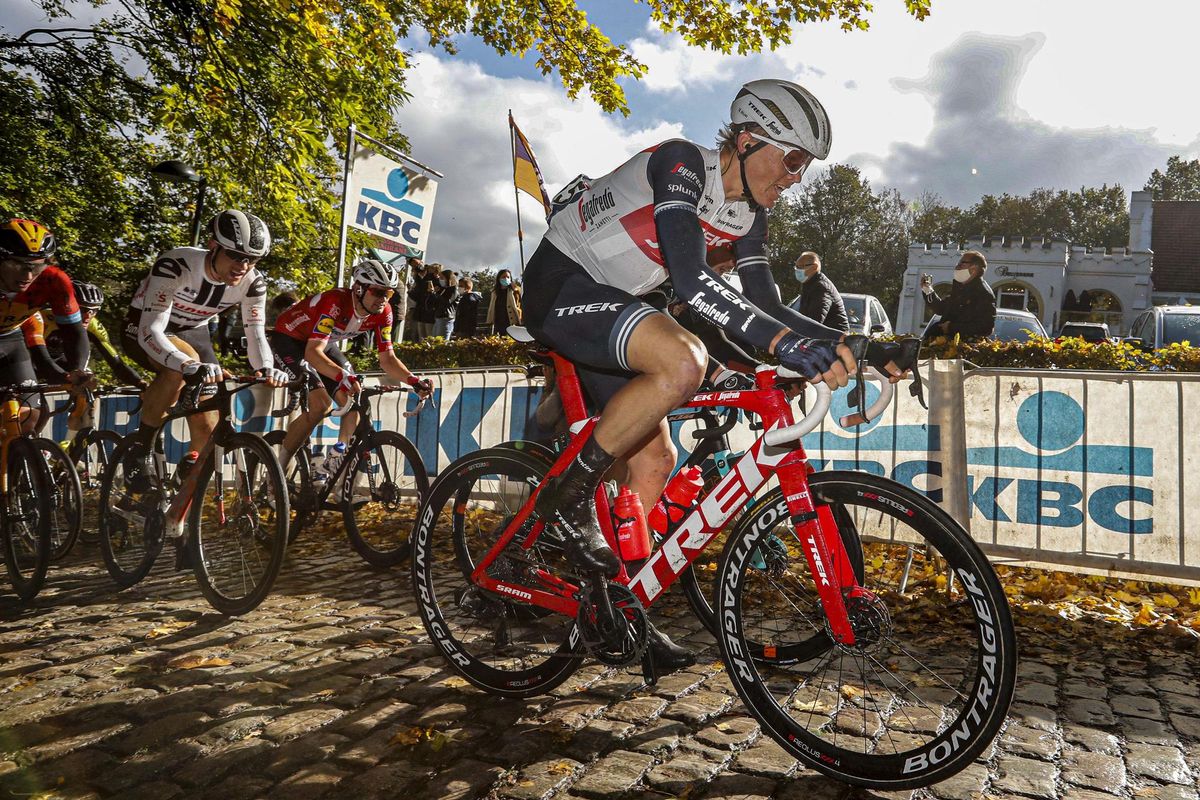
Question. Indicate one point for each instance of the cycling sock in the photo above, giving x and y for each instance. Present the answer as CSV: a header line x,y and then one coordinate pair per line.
x,y
145,433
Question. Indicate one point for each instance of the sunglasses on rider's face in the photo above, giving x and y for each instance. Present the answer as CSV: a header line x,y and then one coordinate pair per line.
x,y
795,160
240,258
382,291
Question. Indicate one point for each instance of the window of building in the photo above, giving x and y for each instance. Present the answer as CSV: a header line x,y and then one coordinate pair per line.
x,y
1017,295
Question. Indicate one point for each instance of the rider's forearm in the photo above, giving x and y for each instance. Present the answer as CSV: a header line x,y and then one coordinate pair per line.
x,y
314,353
152,327
45,365
258,349
75,345
760,288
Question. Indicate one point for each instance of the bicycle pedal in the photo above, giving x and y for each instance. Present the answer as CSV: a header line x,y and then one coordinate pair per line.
x,y
649,673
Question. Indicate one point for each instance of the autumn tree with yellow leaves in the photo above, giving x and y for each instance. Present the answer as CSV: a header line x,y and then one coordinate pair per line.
x,y
257,95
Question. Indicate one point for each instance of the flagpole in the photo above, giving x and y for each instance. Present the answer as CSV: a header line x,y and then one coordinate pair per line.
x,y
341,264
512,141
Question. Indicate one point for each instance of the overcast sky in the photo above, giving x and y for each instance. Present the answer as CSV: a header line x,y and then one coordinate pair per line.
x,y
982,97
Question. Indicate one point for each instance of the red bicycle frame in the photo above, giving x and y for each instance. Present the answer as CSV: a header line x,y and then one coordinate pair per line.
x,y
815,529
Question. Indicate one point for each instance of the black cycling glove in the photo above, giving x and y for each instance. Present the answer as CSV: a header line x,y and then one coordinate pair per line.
x,y
809,357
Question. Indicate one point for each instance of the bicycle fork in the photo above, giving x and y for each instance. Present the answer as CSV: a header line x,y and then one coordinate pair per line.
x,y
828,562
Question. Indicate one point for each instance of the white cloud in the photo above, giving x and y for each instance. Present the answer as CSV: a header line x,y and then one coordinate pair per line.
x,y
672,66
456,122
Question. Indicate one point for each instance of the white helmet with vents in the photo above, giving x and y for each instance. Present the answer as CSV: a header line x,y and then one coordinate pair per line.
x,y
787,112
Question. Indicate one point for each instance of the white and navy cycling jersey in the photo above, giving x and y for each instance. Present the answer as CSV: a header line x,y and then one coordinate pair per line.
x,y
655,217
178,295
607,225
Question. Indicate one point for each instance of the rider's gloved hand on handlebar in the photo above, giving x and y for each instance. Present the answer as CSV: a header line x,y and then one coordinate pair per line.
x,y
273,377
817,359
199,372
424,386
890,359
348,383
729,380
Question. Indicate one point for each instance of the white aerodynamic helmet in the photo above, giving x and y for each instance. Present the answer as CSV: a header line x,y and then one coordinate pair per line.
x,y
787,112
241,232
376,273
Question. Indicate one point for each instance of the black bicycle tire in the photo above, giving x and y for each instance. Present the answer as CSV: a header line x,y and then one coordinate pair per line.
x,y
70,490
79,447
124,579
528,683
381,559
27,587
900,770
265,457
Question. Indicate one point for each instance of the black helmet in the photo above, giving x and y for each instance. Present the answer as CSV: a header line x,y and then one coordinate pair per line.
x,y
88,295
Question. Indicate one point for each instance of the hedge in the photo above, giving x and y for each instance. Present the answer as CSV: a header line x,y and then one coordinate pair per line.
x,y
434,354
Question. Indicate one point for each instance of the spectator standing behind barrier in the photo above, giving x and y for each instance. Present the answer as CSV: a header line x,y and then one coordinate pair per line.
x,y
399,300
505,306
424,287
445,304
819,299
467,321
970,309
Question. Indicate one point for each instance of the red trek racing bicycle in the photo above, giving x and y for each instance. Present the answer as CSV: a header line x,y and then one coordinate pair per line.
x,y
860,624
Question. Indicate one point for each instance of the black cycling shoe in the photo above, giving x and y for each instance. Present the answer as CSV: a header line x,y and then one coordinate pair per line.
x,y
138,470
583,542
668,656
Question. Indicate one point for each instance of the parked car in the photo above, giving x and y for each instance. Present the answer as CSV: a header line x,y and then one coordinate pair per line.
x,y
1014,325
1088,331
864,311
1163,325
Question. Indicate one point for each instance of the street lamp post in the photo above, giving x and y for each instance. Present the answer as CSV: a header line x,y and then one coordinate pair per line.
x,y
180,172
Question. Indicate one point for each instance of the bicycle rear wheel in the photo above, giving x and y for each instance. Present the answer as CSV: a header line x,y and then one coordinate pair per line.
x,y
92,454
131,522
66,498
927,684
381,490
25,517
238,524
500,644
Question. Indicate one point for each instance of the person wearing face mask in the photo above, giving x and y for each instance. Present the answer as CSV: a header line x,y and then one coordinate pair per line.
x,y
819,299
969,310
466,322
445,305
505,306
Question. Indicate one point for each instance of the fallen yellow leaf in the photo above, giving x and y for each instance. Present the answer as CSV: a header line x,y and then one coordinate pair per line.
x,y
1166,600
197,662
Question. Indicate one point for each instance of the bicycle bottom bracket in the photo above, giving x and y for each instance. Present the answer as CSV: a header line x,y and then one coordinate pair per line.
x,y
618,637
869,619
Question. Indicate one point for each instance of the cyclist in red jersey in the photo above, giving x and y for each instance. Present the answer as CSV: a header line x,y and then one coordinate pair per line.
x,y
305,343
30,281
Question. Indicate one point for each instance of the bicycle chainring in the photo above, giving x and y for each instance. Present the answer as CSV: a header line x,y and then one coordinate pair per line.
x,y
626,643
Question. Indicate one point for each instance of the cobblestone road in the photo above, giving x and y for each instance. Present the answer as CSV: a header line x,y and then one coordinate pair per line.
x,y
331,690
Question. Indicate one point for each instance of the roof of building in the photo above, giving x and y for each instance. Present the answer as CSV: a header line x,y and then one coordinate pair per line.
x,y
1175,240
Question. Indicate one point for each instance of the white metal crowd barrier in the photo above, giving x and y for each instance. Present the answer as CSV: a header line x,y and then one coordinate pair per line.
x,y
1086,471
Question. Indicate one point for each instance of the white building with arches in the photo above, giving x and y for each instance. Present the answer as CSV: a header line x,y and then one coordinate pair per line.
x,y
1054,280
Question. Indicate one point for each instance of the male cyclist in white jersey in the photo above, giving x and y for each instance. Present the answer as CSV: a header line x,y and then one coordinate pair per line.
x,y
166,330
616,237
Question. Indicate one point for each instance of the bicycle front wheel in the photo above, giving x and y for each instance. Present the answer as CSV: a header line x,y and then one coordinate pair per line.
x,y
25,516
66,498
381,490
131,521
500,644
238,524
926,685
